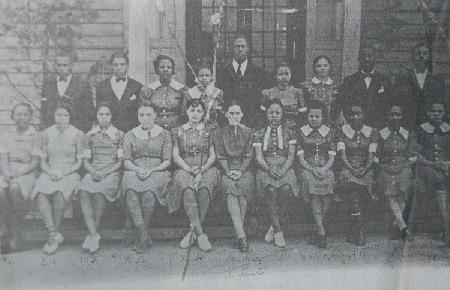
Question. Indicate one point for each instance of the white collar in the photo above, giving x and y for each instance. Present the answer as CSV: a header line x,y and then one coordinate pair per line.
x,y
143,134
267,135
316,81
198,128
419,73
210,91
114,78
427,127
111,131
350,132
173,84
243,65
385,133
69,78
323,130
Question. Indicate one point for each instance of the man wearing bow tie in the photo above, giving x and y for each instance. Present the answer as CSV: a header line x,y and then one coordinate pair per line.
x,y
243,81
71,89
368,87
122,93
418,87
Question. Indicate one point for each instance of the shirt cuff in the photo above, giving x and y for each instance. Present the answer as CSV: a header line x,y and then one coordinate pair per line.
x,y
300,152
413,159
332,153
292,142
376,160
263,108
340,146
302,109
257,144
373,147
120,153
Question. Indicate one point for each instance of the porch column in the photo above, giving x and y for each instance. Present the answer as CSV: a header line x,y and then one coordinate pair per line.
x,y
351,38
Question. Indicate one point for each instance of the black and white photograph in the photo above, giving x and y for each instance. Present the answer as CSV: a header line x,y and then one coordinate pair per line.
x,y
225,144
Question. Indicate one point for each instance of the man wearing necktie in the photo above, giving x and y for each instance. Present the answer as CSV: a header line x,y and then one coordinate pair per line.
x,y
70,89
418,87
368,87
243,81
122,93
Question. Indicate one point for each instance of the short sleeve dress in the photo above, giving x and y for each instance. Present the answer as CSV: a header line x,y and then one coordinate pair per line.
x,y
275,144
294,106
394,151
316,145
357,146
103,149
62,150
324,92
434,145
234,145
193,145
168,101
20,147
147,149
213,99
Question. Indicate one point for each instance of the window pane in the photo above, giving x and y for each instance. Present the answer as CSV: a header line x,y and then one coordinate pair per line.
x,y
268,44
257,43
231,19
269,21
281,44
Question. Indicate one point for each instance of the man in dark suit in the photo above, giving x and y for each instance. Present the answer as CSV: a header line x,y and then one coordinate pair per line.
x,y
367,87
71,89
122,93
243,81
418,87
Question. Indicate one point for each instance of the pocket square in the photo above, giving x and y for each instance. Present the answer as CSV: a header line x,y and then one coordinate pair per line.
x,y
133,97
381,90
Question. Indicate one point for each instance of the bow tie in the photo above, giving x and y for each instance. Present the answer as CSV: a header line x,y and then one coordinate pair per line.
x,y
62,79
367,75
124,79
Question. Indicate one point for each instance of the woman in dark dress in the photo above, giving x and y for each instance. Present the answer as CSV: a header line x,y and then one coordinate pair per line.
x,y
233,147
275,178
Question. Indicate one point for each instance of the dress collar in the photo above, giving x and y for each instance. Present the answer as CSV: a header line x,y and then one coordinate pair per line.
x,y
197,91
427,127
350,132
143,134
279,137
323,130
316,81
385,133
173,84
111,131
198,128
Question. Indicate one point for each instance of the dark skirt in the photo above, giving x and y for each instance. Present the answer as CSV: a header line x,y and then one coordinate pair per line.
x,y
263,179
244,186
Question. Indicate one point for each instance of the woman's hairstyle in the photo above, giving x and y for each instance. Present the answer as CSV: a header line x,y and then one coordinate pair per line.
x,y
281,64
146,104
119,54
204,66
437,101
319,57
22,104
161,57
347,110
273,102
241,36
233,102
104,104
66,106
194,103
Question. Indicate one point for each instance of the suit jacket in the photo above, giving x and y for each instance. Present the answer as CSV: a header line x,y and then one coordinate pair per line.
x,y
374,99
415,99
78,95
125,110
247,89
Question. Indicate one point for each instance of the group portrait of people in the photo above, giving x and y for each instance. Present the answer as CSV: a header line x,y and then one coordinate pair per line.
x,y
253,138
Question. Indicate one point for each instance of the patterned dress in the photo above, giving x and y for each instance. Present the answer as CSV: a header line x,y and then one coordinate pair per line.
x,y
357,146
213,99
275,144
147,149
395,150
103,150
316,145
169,102
293,100
20,147
234,146
193,145
434,145
324,92
62,150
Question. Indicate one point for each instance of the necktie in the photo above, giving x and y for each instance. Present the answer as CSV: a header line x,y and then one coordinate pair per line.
x,y
367,75
239,71
121,79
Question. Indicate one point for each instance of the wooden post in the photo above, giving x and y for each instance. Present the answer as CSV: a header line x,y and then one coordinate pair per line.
x,y
351,39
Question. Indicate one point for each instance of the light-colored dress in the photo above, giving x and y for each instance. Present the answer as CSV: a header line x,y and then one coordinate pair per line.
x,y
147,149
357,146
394,151
103,149
168,101
213,99
62,150
193,145
234,146
294,105
316,145
20,147
275,143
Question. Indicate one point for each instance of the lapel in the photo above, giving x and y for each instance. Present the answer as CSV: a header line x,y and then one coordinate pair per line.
x,y
53,87
73,87
414,81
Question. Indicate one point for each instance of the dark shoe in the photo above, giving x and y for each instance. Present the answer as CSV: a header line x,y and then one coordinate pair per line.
x,y
351,235
236,244
404,233
143,246
313,239
395,234
243,246
321,241
360,239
